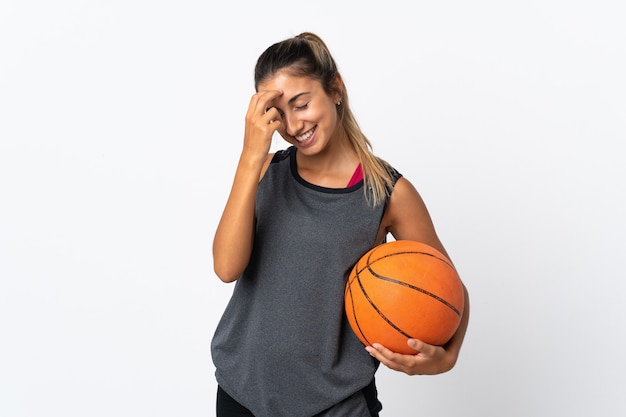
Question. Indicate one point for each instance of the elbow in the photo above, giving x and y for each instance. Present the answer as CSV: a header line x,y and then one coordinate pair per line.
x,y
225,274
229,263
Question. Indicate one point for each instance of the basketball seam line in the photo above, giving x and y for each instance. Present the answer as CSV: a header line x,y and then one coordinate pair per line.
x,y
407,252
423,291
380,313
356,320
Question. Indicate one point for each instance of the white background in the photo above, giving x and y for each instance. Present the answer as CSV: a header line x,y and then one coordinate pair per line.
x,y
120,127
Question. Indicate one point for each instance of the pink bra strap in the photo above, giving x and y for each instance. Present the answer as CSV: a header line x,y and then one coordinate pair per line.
x,y
356,177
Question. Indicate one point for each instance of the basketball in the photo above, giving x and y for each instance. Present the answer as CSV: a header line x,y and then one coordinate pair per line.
x,y
400,290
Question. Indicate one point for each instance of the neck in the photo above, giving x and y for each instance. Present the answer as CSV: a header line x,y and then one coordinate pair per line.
x,y
333,166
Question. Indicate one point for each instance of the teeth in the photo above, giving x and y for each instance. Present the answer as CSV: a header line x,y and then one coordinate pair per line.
x,y
305,136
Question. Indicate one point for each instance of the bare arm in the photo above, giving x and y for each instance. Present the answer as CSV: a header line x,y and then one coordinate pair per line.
x,y
234,237
407,218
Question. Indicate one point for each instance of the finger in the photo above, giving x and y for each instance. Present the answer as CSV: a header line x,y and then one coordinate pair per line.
x,y
383,354
390,359
260,102
422,348
272,114
275,125
265,99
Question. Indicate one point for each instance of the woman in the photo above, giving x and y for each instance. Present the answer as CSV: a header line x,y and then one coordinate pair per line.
x,y
294,225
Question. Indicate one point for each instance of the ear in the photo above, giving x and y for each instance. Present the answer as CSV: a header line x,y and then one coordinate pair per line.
x,y
338,87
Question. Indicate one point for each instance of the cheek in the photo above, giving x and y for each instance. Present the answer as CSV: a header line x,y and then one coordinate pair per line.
x,y
327,115
333,118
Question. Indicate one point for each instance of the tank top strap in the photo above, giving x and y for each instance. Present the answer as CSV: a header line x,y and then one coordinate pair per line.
x,y
356,177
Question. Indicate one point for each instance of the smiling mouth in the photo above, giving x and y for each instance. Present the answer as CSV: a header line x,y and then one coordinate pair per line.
x,y
306,135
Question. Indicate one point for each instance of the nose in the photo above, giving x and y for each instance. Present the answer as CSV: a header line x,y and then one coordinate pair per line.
x,y
293,124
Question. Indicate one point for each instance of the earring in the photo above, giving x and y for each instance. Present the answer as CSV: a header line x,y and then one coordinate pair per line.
x,y
338,102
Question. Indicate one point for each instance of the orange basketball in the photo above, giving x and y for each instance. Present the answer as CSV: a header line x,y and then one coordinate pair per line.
x,y
404,289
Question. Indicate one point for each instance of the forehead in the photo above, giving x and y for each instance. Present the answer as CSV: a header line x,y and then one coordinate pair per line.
x,y
290,84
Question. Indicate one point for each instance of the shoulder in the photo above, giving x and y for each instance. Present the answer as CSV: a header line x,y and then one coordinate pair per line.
x,y
388,174
407,217
404,193
393,174
274,158
282,154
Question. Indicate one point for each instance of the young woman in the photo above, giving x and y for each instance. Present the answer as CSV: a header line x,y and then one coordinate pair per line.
x,y
294,225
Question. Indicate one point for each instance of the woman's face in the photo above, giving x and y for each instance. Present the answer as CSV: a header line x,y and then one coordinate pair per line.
x,y
308,114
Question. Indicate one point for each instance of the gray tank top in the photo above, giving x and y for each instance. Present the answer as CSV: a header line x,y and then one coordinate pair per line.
x,y
283,346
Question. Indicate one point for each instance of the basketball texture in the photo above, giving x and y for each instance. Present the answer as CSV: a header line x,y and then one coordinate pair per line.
x,y
404,289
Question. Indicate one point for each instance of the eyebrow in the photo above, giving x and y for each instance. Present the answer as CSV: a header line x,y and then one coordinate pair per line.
x,y
297,96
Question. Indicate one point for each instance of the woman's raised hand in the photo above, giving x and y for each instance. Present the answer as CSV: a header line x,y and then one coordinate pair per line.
x,y
262,120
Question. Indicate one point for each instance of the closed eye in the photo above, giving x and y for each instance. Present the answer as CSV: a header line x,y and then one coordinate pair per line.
x,y
303,107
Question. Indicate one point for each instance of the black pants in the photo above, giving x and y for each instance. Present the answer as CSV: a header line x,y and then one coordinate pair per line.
x,y
228,407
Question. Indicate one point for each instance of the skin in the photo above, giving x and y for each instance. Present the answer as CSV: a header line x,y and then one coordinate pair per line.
x,y
293,106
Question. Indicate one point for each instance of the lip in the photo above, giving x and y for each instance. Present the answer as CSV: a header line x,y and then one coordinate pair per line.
x,y
309,141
